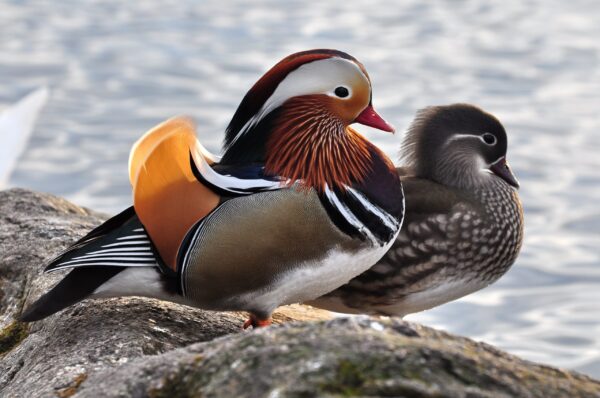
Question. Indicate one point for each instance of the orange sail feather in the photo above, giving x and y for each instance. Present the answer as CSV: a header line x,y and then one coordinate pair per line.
x,y
167,197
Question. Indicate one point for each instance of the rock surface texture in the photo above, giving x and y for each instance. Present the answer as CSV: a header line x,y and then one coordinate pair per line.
x,y
147,348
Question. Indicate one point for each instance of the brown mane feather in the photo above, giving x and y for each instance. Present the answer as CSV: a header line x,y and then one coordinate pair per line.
x,y
312,145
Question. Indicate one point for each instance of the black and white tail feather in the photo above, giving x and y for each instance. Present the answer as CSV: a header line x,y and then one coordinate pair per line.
x,y
119,242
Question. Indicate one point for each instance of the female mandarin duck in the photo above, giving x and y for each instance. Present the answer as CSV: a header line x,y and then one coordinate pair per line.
x,y
298,205
464,220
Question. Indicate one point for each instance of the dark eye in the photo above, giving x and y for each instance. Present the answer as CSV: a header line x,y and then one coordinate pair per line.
x,y
489,138
341,92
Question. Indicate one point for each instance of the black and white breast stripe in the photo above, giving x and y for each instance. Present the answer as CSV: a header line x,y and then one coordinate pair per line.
x,y
125,246
351,210
356,215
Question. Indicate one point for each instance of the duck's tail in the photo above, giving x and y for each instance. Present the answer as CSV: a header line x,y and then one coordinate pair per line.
x,y
120,243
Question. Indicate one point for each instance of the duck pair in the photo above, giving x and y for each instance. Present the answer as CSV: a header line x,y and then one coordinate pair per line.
x,y
302,208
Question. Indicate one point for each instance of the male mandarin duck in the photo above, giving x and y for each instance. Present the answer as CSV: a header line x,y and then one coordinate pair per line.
x,y
464,221
298,204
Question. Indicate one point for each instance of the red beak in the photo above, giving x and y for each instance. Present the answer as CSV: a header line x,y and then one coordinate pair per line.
x,y
370,118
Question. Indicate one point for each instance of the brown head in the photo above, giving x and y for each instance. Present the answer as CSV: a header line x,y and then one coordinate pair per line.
x,y
296,119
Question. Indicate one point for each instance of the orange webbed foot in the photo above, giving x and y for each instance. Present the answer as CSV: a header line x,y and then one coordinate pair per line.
x,y
256,322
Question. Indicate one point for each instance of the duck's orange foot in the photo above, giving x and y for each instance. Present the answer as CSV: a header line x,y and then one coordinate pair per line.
x,y
255,322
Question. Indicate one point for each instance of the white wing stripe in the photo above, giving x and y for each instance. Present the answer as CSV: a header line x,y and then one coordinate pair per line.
x,y
206,154
137,242
85,260
228,182
133,237
128,249
124,254
106,263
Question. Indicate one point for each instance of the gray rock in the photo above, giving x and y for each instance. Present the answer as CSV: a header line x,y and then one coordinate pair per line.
x,y
147,348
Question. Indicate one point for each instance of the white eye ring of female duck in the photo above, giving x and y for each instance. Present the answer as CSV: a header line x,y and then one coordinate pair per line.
x,y
489,139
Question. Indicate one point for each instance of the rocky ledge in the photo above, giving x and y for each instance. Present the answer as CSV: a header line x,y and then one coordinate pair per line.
x,y
147,348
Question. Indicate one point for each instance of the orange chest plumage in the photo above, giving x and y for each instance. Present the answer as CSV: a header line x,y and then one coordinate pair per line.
x,y
309,145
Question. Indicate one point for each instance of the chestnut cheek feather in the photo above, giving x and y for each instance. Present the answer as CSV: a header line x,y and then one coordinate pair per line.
x,y
310,144
351,108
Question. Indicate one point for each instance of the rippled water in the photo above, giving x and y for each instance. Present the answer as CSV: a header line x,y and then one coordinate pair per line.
x,y
116,70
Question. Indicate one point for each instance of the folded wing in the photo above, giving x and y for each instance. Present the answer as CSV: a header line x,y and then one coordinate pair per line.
x,y
167,197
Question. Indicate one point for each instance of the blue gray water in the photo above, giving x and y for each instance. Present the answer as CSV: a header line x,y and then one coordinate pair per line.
x,y
117,68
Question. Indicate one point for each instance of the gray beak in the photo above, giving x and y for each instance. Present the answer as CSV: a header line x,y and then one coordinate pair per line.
x,y
502,170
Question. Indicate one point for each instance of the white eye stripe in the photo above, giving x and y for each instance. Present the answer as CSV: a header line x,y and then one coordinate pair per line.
x,y
310,78
456,137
